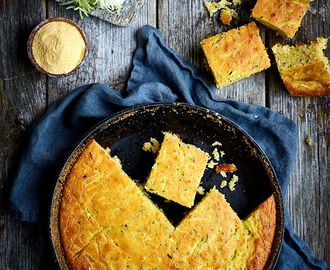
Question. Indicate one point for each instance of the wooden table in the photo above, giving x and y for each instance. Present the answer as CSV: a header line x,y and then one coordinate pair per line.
x,y
25,94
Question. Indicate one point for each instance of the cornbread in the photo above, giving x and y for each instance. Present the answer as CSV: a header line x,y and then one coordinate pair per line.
x,y
58,47
304,68
107,223
213,7
236,54
152,146
177,171
201,240
227,14
105,192
233,182
283,16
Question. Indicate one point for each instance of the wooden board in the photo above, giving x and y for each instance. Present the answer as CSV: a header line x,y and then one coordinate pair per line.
x,y
25,94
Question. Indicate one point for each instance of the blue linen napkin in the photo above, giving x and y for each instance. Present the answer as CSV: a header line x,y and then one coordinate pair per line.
x,y
158,75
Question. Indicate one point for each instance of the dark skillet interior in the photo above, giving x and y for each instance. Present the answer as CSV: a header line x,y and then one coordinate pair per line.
x,y
126,133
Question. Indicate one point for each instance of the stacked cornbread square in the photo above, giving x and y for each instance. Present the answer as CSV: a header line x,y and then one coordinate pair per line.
x,y
284,16
304,68
177,171
236,54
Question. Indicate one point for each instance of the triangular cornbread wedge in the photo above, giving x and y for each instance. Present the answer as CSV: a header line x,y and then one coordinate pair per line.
x,y
136,235
133,222
177,171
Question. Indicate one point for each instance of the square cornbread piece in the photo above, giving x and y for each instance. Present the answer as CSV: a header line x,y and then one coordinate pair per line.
x,y
284,16
177,171
108,195
304,68
236,54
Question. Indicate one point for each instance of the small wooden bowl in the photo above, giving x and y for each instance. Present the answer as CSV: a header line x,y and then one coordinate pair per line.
x,y
31,38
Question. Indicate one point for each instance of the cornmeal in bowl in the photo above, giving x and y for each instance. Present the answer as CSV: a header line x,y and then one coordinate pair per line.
x,y
236,54
177,171
304,68
106,222
284,16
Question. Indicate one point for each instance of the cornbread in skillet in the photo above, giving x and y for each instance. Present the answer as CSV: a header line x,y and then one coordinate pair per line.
x,y
177,171
120,228
205,238
236,54
284,16
304,68
258,231
106,193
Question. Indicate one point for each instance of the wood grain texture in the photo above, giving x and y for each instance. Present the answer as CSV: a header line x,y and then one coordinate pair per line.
x,y
185,23
308,195
22,99
111,50
24,95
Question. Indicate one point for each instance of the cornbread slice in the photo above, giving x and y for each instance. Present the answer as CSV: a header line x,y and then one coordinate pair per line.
x,y
132,221
258,231
304,68
236,54
206,237
284,16
177,171
78,227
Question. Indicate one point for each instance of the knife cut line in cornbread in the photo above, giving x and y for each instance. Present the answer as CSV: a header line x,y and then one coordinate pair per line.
x,y
131,232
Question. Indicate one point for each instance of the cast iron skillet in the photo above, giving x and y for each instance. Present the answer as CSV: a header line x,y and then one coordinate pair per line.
x,y
125,134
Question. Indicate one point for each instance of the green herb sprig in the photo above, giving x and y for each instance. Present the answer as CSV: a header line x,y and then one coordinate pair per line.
x,y
85,7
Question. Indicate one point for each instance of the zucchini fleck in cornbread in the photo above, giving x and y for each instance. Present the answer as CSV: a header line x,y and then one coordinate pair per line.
x,y
107,223
304,68
236,54
177,171
284,16
105,192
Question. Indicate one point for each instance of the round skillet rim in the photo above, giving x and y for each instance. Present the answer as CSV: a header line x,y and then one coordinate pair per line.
x,y
54,228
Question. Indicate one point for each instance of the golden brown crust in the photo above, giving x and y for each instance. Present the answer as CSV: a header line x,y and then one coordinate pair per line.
x,y
283,16
133,222
177,171
262,223
236,54
111,225
304,68
77,226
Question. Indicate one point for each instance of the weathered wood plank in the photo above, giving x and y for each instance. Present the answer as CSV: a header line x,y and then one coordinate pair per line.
x,y
185,23
22,99
111,50
308,193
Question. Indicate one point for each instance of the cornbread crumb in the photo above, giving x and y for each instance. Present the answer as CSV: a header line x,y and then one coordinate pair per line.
x,y
222,153
284,16
177,171
233,182
223,183
152,146
216,143
213,7
117,161
215,154
227,14
237,2
200,190
223,174
107,150
304,68
211,164
308,141
236,54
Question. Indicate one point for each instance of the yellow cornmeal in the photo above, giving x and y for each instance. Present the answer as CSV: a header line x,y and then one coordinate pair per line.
x,y
58,47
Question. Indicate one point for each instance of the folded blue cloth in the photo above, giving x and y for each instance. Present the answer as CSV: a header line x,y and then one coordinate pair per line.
x,y
158,75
